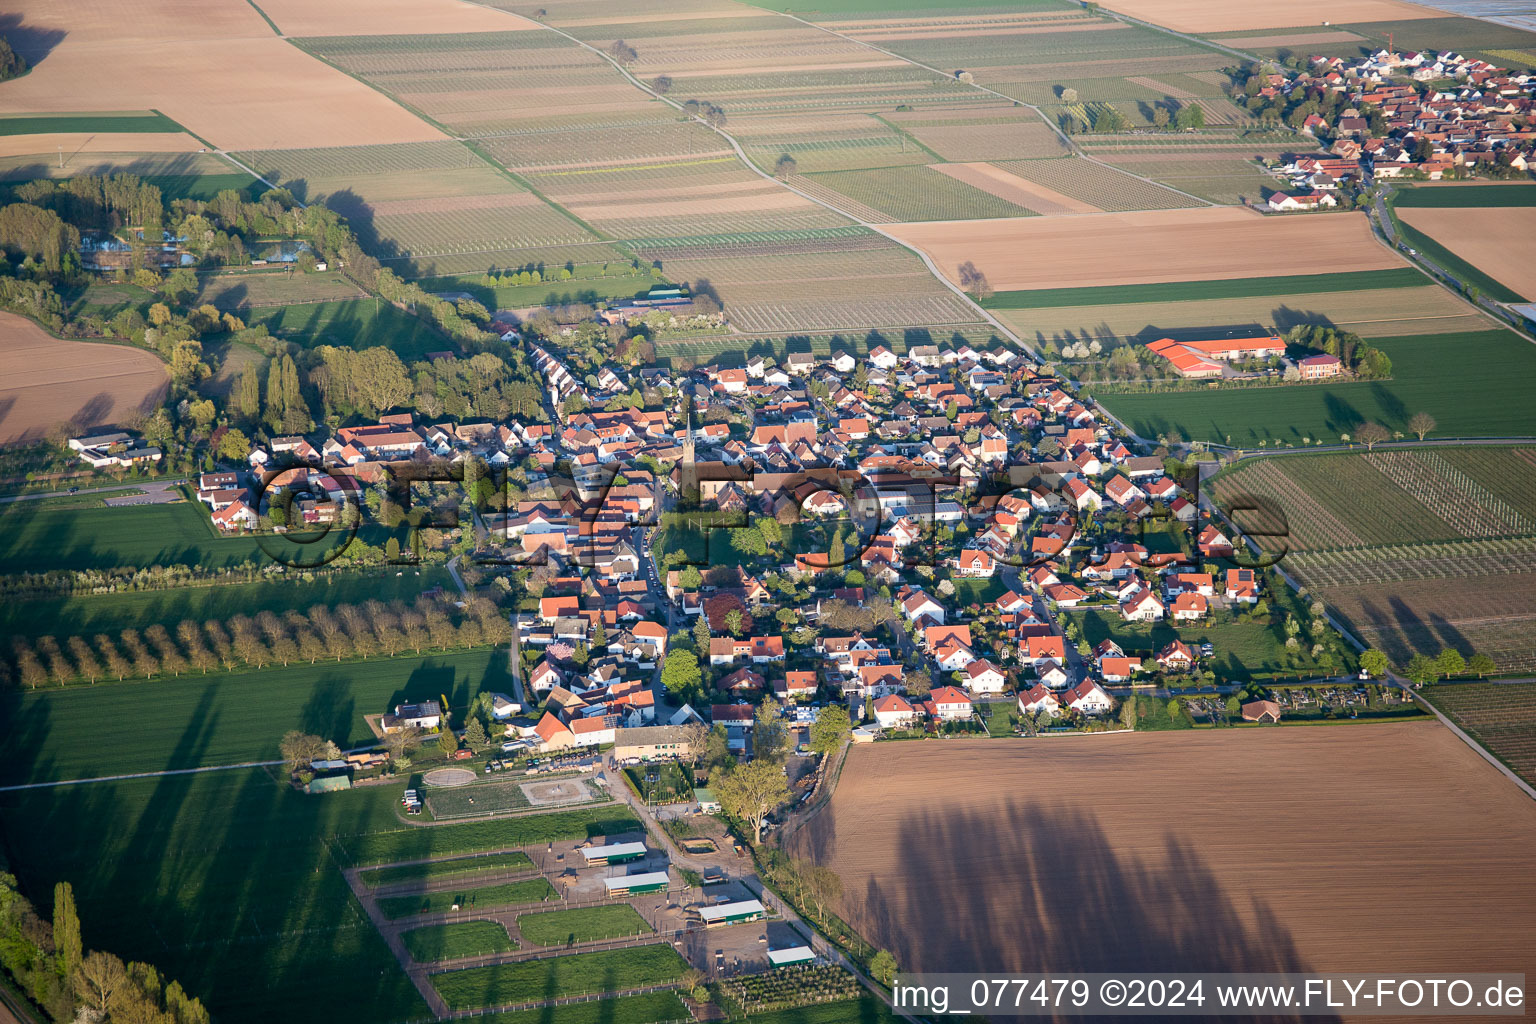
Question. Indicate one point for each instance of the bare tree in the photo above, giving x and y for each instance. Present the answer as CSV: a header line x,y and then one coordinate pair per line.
x,y
98,979
785,167
1422,424
622,52
974,281
1372,434
662,85
401,743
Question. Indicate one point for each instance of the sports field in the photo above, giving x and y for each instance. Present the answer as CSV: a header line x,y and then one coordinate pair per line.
x,y
583,924
486,897
1472,384
1148,888
580,974
230,718
434,942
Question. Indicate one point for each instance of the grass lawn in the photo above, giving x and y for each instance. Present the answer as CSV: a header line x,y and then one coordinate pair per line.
x,y
511,894
412,842
435,942
1186,291
978,591
563,927
455,867
217,879
107,299
1472,384
998,718
1463,196
43,539
1244,651
355,323
581,974
90,614
642,1009
864,1010
231,718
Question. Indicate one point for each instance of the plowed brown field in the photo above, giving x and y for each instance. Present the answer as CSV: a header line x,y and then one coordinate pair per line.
x,y
213,65
1282,849
1205,16
1157,246
45,381
1494,239
387,17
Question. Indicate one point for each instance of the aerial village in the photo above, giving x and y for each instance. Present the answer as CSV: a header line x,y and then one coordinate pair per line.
x,y
1423,116
965,509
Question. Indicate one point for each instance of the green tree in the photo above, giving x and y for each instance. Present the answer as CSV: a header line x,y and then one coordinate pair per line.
x,y
1481,665
882,966
234,445
1451,663
447,742
67,943
750,792
714,751
770,738
1421,669
1375,662
475,737
830,729
701,635
680,671
689,578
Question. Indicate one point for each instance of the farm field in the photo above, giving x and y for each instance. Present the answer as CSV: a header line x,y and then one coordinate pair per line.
x,y
993,132
133,122
1418,549
440,870
48,382
38,540
1461,196
578,974
1149,247
88,614
1502,717
1436,374
1121,871
194,721
1193,291
178,175
45,146
1203,17
435,942
918,193
487,897
583,924
1388,312
147,858
1102,187
363,17
246,289
1035,197
1488,237
218,69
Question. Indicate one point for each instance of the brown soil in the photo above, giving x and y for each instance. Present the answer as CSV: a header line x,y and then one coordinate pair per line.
x,y
45,382
215,67
1373,848
1494,239
387,17
1203,17
1015,189
1210,243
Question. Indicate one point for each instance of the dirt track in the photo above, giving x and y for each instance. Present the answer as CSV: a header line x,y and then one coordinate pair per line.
x,y
1211,243
45,381
1369,847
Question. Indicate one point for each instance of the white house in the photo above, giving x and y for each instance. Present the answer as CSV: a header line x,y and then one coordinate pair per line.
x,y
950,704
1040,698
981,676
893,711
1142,606
1089,698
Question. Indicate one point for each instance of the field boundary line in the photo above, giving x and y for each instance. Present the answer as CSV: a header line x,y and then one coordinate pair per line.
x,y
139,775
998,325
1074,147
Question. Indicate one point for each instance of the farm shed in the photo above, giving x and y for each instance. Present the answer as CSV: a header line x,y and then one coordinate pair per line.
x,y
732,913
634,885
789,957
617,853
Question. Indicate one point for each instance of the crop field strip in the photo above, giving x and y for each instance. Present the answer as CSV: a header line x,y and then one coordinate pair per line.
x,y
1493,615
569,975
1104,187
1387,312
1192,291
917,194
446,869
1500,716
1392,563
485,897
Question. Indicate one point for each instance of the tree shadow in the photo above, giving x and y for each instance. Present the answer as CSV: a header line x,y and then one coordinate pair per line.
x,y
30,41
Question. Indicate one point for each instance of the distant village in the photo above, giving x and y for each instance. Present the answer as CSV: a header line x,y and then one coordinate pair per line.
x,y
1423,116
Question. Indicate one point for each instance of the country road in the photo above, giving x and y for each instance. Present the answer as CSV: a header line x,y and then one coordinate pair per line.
x,y
154,493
